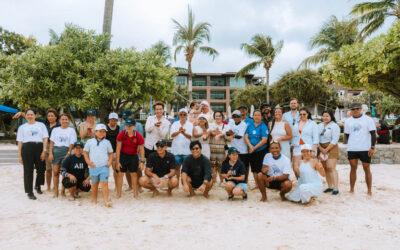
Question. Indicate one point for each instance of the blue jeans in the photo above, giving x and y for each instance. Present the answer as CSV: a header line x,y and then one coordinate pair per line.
x,y
99,173
179,159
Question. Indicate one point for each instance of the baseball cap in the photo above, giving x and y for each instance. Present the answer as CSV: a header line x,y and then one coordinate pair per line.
x,y
113,115
204,103
182,110
306,146
101,126
202,116
126,114
79,143
91,112
355,105
130,121
161,142
265,104
236,112
232,150
243,107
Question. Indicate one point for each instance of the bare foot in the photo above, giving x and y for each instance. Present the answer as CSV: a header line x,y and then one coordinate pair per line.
x,y
169,192
352,191
71,198
206,195
310,202
191,194
118,196
369,193
108,204
140,190
128,189
63,194
55,195
136,197
94,202
263,199
155,193
283,198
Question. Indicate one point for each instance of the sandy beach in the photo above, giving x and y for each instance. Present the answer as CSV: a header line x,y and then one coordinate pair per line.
x,y
348,221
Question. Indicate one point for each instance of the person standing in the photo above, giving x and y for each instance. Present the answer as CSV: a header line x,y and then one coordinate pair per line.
x,y
202,134
181,133
196,172
305,131
280,131
156,128
266,113
234,173
309,184
62,140
361,134
160,170
256,138
244,115
217,144
73,170
129,145
32,140
328,149
236,131
292,116
206,110
87,128
111,135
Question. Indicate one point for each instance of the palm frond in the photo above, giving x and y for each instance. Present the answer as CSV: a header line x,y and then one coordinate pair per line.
x,y
371,27
362,8
278,47
320,57
248,68
251,50
210,51
181,33
177,50
202,31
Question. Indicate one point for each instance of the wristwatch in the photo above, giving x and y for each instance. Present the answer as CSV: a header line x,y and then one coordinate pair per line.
x,y
166,177
373,147
142,161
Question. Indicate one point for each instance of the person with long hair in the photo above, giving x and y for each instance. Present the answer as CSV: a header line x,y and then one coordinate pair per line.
x,y
281,131
32,146
309,184
87,128
256,138
62,140
202,134
234,173
217,144
328,149
305,131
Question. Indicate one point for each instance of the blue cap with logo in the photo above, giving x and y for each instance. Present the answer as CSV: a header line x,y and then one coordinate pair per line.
x,y
130,122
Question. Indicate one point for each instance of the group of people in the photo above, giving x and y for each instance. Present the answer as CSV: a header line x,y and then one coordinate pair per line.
x,y
273,144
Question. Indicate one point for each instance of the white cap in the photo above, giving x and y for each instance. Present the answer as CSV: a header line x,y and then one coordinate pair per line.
x,y
306,146
202,116
182,110
237,112
101,127
204,103
113,115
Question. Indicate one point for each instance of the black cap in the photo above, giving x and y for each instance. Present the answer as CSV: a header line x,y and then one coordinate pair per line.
x,y
265,104
79,143
126,114
91,112
355,105
161,142
232,150
130,121
243,107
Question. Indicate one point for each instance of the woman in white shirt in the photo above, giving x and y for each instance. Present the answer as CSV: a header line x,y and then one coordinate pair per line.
x,y
328,150
202,134
32,143
217,144
156,128
280,131
62,140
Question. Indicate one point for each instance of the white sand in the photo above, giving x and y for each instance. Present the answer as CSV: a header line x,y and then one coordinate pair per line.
x,y
343,222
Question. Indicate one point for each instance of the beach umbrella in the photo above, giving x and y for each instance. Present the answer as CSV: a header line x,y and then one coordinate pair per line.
x,y
251,110
337,115
229,112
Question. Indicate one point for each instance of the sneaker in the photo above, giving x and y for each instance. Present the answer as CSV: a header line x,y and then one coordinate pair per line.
x,y
328,190
38,190
335,192
245,197
230,198
31,196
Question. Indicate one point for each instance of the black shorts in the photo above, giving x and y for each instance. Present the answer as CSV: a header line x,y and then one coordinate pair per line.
x,y
256,160
129,162
362,155
196,183
147,152
275,185
79,184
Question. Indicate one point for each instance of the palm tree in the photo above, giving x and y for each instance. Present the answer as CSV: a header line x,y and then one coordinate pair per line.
x,y
107,19
189,38
333,35
373,14
261,47
162,49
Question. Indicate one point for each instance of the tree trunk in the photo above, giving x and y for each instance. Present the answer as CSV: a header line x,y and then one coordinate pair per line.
x,y
2,125
12,127
190,81
267,83
107,19
72,119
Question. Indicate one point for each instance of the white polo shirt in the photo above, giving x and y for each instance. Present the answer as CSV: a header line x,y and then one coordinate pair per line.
x,y
180,144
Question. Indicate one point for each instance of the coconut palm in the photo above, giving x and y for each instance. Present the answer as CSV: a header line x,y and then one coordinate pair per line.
x,y
261,47
189,38
373,14
333,35
107,19
162,49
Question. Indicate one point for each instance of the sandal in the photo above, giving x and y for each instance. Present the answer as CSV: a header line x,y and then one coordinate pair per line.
x,y
335,192
230,198
328,190
245,197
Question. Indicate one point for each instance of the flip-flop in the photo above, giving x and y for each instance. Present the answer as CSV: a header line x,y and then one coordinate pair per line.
x,y
335,192
230,198
328,190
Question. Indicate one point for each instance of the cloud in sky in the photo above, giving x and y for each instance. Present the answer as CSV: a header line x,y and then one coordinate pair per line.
x,y
142,23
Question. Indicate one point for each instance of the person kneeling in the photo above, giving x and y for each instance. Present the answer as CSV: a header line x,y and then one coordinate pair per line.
x,y
234,173
275,172
196,171
160,170
73,169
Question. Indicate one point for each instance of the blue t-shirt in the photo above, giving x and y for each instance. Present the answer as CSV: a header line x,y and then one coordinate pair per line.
x,y
98,151
256,133
248,121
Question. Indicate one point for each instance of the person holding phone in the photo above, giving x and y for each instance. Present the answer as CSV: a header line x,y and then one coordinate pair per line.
x,y
234,173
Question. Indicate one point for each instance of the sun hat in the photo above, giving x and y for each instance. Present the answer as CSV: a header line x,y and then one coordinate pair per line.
x,y
204,102
306,147
101,127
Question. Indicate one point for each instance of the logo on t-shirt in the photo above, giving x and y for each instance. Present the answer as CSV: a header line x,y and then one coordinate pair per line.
x,y
356,127
78,166
134,140
63,138
254,132
34,132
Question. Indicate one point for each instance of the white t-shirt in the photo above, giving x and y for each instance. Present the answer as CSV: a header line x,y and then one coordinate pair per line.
x,y
32,132
239,130
277,167
180,144
63,137
359,133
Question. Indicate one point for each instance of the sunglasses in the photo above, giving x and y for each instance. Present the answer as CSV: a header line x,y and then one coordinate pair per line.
x,y
302,114
159,146
235,116
274,141
195,148
183,114
355,109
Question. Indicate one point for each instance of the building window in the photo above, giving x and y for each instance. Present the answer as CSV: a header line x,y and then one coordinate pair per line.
x,y
237,83
180,80
218,107
218,95
175,107
231,94
199,81
217,81
199,94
